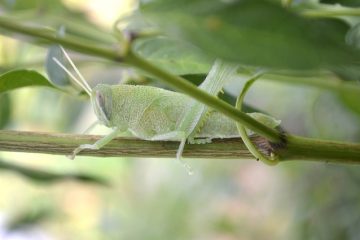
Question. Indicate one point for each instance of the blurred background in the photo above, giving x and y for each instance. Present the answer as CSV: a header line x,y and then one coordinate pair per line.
x,y
156,198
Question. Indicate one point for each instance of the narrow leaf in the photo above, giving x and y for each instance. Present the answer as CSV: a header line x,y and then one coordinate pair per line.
x,y
48,177
5,109
30,217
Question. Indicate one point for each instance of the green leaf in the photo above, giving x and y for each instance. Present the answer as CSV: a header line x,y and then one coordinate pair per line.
x,y
34,213
29,217
22,78
48,177
196,79
176,56
258,33
351,101
5,109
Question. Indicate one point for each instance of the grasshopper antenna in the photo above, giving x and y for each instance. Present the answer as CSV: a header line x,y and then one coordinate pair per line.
x,y
81,81
76,70
87,90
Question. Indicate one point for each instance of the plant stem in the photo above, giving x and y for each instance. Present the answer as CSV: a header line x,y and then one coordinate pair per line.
x,y
50,36
298,148
332,12
64,144
177,82
242,131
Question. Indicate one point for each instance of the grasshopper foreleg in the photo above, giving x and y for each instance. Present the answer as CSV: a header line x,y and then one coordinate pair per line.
x,y
98,144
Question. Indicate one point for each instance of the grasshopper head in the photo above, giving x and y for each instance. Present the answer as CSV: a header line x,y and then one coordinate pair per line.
x,y
101,99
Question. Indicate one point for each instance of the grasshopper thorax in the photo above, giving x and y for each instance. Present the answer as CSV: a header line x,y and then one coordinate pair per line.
x,y
101,99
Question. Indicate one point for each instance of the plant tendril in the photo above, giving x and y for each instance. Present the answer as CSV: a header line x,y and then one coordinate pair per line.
x,y
273,160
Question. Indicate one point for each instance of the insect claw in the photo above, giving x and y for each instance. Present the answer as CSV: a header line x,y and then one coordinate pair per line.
x,y
187,166
75,152
179,155
71,157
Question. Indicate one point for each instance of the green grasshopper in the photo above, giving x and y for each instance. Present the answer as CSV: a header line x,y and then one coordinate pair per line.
x,y
156,114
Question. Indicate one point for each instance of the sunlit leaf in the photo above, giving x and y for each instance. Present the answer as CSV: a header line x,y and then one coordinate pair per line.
x,y
22,78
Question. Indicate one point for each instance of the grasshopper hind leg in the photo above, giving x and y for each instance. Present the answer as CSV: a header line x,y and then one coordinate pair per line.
x,y
179,154
176,135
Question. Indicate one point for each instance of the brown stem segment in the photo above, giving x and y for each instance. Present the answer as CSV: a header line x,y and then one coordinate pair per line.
x,y
64,144
296,148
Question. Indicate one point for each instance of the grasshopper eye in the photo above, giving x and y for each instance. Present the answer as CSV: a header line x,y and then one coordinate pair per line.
x,y
104,105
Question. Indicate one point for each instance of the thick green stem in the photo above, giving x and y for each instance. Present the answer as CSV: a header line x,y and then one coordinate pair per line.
x,y
355,12
300,148
69,42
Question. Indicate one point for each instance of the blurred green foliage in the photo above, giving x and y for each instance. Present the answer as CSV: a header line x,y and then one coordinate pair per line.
x,y
257,33
21,78
156,199
44,177
5,110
